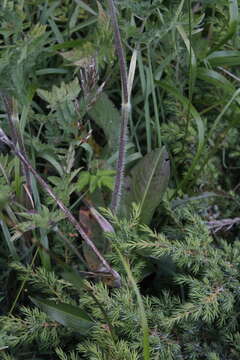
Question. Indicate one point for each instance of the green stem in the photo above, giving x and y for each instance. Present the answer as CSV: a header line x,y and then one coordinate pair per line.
x,y
144,322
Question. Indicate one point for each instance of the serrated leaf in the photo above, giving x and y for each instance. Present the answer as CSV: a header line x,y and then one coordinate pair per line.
x,y
93,183
106,172
149,180
107,181
66,314
83,180
66,92
79,56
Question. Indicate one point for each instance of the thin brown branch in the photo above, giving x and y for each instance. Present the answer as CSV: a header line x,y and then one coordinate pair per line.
x,y
106,267
223,224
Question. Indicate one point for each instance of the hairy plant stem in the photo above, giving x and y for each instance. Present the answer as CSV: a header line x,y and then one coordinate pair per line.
x,y
70,217
117,192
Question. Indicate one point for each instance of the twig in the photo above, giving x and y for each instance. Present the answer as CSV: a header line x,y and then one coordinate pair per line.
x,y
106,267
224,224
229,73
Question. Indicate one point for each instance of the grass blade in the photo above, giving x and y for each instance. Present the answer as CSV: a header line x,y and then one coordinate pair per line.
x,y
7,237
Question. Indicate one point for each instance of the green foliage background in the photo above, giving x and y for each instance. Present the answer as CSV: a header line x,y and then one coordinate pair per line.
x,y
60,81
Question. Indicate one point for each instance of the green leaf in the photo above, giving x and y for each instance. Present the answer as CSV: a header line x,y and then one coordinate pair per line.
x,y
93,183
83,180
106,172
8,240
216,79
49,71
74,278
225,57
5,195
107,181
66,92
66,314
86,7
108,118
149,180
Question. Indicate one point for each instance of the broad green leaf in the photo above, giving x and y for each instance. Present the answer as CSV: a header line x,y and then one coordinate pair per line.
x,y
149,180
107,117
66,314
74,278
224,57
